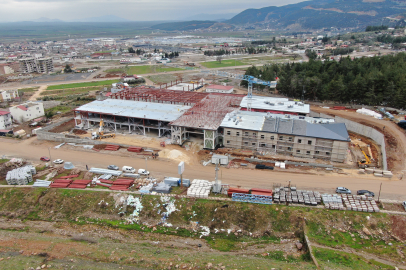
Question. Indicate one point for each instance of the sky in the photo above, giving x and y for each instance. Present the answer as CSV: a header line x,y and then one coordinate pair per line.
x,y
136,10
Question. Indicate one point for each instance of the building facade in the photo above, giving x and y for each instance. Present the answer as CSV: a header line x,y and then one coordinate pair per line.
x,y
213,88
8,95
27,111
5,120
40,65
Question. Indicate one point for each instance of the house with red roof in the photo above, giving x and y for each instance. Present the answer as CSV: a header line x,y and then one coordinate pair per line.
x,y
27,111
213,88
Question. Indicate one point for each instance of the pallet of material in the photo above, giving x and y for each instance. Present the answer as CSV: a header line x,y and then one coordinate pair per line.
x,y
111,147
106,181
69,176
82,186
135,149
103,185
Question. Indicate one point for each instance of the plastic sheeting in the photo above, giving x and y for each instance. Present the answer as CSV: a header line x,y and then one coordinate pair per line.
x,y
105,171
68,166
370,113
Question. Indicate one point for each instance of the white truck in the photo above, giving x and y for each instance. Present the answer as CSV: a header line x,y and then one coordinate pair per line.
x,y
143,172
128,169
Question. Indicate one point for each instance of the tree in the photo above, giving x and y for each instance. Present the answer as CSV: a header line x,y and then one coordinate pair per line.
x,y
67,69
219,58
131,50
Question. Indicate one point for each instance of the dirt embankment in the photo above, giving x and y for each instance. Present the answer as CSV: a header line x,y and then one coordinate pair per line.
x,y
395,137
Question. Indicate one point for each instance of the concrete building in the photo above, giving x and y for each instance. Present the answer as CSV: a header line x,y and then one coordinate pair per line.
x,y
276,105
213,88
6,69
41,65
282,135
5,120
27,111
8,95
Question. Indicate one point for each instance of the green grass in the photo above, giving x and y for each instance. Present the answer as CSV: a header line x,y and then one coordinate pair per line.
x,y
224,63
150,69
28,90
3,160
86,84
70,91
59,108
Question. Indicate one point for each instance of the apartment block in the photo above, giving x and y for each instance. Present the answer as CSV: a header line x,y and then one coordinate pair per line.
x,y
5,120
27,111
40,65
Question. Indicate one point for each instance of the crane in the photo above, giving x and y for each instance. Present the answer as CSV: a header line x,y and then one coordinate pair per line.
x,y
250,79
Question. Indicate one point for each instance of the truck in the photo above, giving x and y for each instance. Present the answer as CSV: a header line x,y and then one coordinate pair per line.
x,y
143,172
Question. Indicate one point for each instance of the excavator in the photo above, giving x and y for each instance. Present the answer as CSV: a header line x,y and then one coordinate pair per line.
x,y
101,135
364,163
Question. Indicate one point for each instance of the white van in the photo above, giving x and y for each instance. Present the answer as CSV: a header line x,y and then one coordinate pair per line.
x,y
128,169
143,172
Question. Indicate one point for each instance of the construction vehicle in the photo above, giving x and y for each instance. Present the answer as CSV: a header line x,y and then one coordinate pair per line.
x,y
100,134
363,163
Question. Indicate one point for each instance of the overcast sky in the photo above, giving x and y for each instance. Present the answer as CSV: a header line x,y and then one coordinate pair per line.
x,y
137,10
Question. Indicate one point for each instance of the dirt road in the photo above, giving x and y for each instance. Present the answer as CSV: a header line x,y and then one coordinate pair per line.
x,y
395,137
323,182
36,95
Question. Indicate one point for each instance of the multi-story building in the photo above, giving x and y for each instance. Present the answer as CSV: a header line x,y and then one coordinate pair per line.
x,y
40,65
8,95
27,111
282,135
5,120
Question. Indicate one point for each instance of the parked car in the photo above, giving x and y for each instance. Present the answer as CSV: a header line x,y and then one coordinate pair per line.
x,y
45,159
58,161
143,172
365,192
128,169
343,190
404,205
113,167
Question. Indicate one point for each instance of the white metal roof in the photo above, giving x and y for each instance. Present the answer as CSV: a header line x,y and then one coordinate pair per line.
x,y
276,104
136,109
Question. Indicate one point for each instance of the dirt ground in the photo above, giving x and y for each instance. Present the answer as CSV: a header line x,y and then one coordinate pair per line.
x,y
395,137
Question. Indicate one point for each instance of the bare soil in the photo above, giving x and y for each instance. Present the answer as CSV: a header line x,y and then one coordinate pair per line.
x,y
64,127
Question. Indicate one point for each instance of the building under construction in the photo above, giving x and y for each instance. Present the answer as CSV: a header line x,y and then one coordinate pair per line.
x,y
218,119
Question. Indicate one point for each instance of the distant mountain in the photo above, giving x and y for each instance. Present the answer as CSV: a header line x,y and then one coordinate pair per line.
x,y
210,17
317,14
183,26
43,19
106,18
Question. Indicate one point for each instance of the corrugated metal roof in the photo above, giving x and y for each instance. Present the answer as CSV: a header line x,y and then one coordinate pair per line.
x,y
136,109
276,104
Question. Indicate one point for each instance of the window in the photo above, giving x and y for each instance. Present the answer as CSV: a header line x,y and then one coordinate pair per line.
x,y
290,139
262,136
237,133
246,143
246,133
327,153
272,137
281,138
317,152
253,144
289,148
273,146
262,145
254,134
299,141
298,151
308,153
228,142
228,132
309,142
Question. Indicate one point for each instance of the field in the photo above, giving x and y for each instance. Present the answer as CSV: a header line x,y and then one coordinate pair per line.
x,y
253,60
77,85
69,91
150,69
224,63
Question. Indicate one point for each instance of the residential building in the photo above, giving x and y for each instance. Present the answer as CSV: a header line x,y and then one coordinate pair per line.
x,y
8,95
5,120
27,111
40,65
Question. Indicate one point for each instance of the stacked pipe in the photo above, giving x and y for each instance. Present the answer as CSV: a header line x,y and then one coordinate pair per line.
x,y
264,192
80,183
135,149
60,183
112,147
237,190
69,176
122,184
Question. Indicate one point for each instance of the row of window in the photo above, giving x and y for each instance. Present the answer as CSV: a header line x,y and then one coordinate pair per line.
x,y
272,137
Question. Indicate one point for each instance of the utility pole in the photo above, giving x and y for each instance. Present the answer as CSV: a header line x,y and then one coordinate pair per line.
x,y
379,193
49,151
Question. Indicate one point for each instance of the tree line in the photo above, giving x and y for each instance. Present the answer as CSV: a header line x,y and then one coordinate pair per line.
x,y
379,80
371,28
249,50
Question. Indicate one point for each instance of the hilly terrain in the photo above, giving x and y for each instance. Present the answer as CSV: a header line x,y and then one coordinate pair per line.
x,y
319,14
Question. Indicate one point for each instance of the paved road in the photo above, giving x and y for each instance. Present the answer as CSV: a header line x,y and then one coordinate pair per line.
x,y
31,150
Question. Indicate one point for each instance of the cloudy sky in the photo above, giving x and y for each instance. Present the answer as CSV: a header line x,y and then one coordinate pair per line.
x,y
137,10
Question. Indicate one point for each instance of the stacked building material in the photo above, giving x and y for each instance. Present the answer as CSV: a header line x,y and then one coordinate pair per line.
x,y
69,176
105,176
135,149
106,181
103,185
359,203
105,171
131,175
307,197
162,188
80,183
237,190
21,176
200,188
41,183
172,181
333,202
61,183
251,198
264,192
112,147
122,184
146,189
